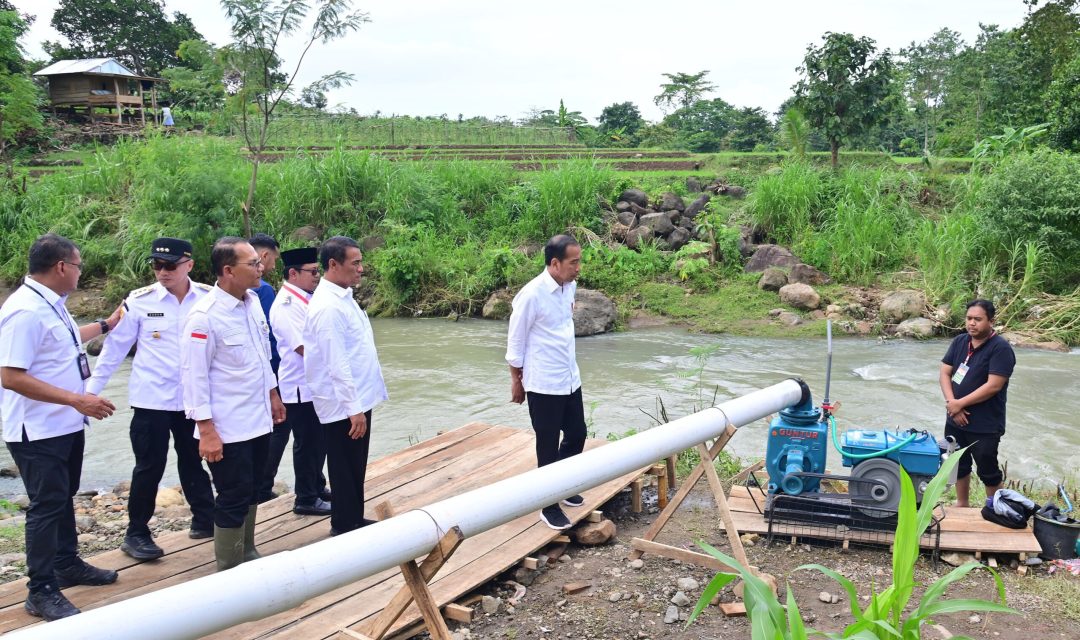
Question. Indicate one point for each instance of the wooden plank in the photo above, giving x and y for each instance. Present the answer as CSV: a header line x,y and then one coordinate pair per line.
x,y
571,588
635,495
561,539
530,563
436,626
682,555
722,507
671,461
658,525
458,613
733,609
596,516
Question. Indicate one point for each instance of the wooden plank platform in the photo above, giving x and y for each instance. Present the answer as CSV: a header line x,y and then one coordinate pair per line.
x,y
452,463
962,529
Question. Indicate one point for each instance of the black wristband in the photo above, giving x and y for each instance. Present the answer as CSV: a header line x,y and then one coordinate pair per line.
x,y
104,326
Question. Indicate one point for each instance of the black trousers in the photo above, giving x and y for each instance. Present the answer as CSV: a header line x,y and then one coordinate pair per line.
x,y
983,451
309,453
150,430
347,460
552,415
236,478
50,470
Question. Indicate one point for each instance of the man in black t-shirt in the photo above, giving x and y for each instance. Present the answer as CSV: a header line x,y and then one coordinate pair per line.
x,y
975,379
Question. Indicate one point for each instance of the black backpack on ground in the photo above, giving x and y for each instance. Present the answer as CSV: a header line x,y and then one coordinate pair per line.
x,y
1011,509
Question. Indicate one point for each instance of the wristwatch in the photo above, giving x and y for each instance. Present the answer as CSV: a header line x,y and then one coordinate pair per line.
x,y
104,326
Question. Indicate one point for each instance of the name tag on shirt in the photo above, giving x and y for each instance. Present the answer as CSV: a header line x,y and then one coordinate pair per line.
x,y
961,371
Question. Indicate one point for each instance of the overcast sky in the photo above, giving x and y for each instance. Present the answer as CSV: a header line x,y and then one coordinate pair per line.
x,y
474,57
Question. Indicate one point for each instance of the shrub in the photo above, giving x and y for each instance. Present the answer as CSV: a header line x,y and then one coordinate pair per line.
x,y
785,204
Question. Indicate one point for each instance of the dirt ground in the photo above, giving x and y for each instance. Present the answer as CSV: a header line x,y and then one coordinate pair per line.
x,y
624,602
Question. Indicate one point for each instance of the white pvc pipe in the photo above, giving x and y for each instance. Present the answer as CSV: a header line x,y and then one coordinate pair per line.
x,y
282,581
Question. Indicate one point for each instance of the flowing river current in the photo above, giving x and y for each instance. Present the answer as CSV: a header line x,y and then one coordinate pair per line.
x,y
443,374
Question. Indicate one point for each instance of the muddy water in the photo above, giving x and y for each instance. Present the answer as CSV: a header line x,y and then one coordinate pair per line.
x,y
443,374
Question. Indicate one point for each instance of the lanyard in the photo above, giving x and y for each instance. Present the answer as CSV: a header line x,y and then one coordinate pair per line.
x,y
971,348
67,325
295,293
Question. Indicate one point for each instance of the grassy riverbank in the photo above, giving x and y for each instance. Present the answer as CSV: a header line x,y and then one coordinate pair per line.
x,y
445,233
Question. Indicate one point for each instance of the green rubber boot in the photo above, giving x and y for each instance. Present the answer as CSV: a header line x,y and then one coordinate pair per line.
x,y
250,552
228,546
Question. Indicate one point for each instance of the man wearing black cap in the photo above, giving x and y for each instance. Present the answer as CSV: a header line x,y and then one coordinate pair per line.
x,y
287,316
153,319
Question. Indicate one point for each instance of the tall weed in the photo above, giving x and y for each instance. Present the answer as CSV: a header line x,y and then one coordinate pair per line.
x,y
786,204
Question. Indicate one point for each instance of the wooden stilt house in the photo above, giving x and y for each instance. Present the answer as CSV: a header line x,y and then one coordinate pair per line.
x,y
97,84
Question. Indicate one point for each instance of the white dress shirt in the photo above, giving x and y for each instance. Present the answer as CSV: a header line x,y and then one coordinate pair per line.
x,y
287,316
340,360
39,335
225,366
153,319
541,337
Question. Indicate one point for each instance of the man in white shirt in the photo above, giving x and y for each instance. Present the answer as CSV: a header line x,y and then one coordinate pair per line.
x,y
44,407
231,393
543,363
287,317
153,319
344,377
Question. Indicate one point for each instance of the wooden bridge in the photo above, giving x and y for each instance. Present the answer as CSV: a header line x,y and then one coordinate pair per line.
x,y
446,465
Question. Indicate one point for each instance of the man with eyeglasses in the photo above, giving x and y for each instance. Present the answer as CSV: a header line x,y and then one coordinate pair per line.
x,y
45,407
231,393
154,318
287,316
343,373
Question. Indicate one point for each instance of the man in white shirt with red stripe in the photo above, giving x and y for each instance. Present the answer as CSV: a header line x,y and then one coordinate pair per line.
x,y
543,364
230,391
344,376
287,317
43,370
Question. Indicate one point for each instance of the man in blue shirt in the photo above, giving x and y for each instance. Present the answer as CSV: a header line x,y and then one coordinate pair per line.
x,y
268,251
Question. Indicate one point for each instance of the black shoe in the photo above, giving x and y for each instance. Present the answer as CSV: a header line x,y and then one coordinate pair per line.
x,y
325,495
338,532
50,604
317,508
82,573
200,534
266,497
554,517
574,501
365,522
141,547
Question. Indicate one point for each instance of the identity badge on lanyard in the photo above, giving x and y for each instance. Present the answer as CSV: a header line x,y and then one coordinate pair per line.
x,y
81,361
962,370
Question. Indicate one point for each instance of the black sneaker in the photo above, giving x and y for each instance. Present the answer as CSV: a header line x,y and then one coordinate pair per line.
x,y
326,496
318,508
141,547
50,604
554,517
574,501
82,573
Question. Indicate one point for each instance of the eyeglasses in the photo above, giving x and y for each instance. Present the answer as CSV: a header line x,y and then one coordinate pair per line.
x,y
73,264
158,265
254,264
314,272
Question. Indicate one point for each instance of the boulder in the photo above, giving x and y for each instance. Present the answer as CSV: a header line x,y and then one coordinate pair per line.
x,y
619,231
686,223
734,191
9,471
916,328
629,218
697,206
594,533
747,247
529,249
622,206
901,305
635,196
771,255
659,223
307,233
800,296
678,238
372,243
593,313
497,306
772,279
635,236
639,210
168,498
806,274
789,319
671,200
693,185
674,216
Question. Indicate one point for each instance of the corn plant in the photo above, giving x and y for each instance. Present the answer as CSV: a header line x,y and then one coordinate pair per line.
x,y
885,616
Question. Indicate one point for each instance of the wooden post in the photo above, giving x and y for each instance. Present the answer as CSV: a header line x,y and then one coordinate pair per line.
x,y
722,506
635,495
673,481
119,110
416,588
153,101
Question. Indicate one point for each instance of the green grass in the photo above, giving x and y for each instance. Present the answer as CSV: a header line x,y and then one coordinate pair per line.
x,y
735,306
12,539
1061,592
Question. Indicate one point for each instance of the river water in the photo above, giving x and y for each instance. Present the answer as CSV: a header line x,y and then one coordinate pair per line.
x,y
443,374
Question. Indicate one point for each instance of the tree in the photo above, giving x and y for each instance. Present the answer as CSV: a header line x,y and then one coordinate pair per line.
x,y
844,87
1063,99
135,32
795,132
258,28
312,98
702,126
751,129
199,83
682,89
926,68
620,121
19,96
